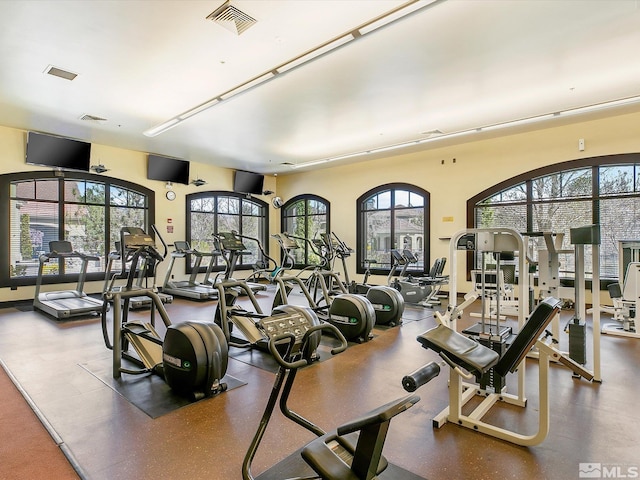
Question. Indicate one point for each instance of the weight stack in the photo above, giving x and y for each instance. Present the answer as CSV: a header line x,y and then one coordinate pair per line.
x,y
491,380
578,342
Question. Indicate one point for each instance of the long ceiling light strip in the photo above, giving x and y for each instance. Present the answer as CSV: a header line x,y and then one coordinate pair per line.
x,y
388,18
487,128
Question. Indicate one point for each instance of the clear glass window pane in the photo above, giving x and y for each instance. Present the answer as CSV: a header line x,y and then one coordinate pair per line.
x,y
502,216
47,190
616,179
567,184
228,223
74,191
26,190
125,217
84,228
377,236
620,220
32,226
118,196
409,233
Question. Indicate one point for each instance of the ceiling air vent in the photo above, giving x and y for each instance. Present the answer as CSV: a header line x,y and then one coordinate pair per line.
x,y
58,72
92,118
432,133
231,18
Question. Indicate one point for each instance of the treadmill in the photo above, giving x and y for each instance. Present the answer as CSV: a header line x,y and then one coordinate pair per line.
x,y
64,304
191,289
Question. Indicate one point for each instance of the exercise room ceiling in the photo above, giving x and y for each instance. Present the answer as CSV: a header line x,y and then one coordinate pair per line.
x,y
435,68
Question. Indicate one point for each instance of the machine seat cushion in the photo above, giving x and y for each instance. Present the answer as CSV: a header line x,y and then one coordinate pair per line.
x,y
467,353
326,459
476,358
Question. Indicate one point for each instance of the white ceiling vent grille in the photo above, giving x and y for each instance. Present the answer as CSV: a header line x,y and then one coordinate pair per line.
x,y
432,133
58,72
232,19
92,118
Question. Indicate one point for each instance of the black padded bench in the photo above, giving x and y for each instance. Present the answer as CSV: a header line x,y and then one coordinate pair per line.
x,y
458,350
463,353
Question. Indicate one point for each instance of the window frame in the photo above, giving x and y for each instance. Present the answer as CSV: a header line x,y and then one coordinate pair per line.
x,y
360,237
6,180
306,198
220,265
526,178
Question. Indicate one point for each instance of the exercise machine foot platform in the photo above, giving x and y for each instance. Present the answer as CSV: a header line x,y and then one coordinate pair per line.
x,y
464,355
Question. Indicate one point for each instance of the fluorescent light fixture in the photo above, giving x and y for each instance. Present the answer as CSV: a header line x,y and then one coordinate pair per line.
x,y
163,127
515,123
488,128
385,19
391,17
315,53
600,106
199,108
247,85
314,162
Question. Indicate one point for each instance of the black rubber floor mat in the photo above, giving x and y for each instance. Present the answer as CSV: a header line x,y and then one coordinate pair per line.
x,y
148,392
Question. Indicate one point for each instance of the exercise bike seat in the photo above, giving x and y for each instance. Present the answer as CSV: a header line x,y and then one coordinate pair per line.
x,y
331,456
346,455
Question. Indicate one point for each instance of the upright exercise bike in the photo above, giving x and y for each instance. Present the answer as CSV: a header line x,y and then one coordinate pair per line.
x,y
354,450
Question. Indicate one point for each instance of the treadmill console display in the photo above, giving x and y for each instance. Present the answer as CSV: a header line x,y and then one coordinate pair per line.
x,y
230,241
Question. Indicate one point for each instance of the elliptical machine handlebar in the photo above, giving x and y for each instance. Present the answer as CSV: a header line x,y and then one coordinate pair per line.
x,y
290,339
165,247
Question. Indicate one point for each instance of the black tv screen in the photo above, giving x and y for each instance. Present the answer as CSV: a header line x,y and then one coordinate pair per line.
x,y
247,182
168,169
58,152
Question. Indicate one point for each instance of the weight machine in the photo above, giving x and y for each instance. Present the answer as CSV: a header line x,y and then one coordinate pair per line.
x,y
625,295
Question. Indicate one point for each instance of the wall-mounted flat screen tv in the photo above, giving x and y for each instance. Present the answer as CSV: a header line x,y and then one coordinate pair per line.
x,y
248,182
58,152
167,169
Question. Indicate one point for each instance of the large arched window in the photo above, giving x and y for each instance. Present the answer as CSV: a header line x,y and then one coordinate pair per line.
x,y
305,216
86,209
599,190
214,212
393,216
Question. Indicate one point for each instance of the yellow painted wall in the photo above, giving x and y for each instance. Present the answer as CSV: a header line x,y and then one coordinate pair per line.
x,y
131,166
479,164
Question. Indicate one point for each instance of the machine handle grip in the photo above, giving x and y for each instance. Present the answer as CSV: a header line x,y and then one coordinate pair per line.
x,y
291,339
419,377
334,331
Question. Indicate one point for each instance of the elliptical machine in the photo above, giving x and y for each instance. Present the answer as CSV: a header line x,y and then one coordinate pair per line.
x,y
353,315
193,356
230,316
387,301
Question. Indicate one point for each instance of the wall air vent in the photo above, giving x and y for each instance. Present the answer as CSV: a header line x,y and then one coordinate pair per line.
x,y
231,18
92,118
58,72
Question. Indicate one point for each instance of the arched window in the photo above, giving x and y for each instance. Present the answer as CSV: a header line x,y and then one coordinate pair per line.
x,y
86,209
393,216
305,216
599,190
221,211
